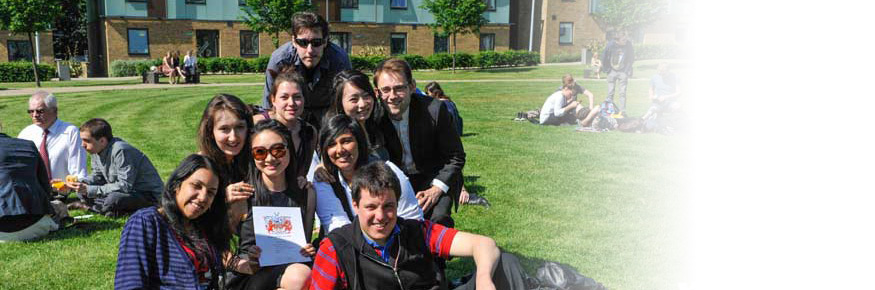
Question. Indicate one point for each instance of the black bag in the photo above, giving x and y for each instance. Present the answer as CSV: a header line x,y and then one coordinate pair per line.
x,y
553,275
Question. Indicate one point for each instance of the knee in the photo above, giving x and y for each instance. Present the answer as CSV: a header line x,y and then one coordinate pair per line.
x,y
296,276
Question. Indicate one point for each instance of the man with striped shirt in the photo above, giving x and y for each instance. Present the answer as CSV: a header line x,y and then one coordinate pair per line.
x,y
380,251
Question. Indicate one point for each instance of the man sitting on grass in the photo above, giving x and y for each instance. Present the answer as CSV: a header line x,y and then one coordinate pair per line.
x,y
562,106
380,251
122,180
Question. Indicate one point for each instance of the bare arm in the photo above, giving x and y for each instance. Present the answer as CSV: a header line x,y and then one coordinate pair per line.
x,y
485,254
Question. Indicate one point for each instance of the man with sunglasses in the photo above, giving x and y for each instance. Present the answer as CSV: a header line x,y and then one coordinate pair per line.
x,y
58,141
314,57
421,139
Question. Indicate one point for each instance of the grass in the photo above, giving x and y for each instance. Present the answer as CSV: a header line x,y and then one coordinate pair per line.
x,y
643,68
608,204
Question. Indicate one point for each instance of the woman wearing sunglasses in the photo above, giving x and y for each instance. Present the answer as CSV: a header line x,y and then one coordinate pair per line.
x,y
179,244
273,177
287,99
343,148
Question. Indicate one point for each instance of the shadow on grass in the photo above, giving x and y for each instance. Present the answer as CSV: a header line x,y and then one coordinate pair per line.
x,y
460,267
469,134
471,184
85,228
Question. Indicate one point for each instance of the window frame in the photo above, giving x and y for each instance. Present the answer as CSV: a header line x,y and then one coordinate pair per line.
x,y
148,41
493,6
197,2
9,51
345,45
571,41
392,5
446,46
342,2
137,1
218,41
257,46
481,41
392,37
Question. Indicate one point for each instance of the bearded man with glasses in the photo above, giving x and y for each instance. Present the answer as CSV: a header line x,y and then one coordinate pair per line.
x,y
313,56
58,142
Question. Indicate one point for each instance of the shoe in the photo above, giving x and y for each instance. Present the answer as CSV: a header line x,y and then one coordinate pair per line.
x,y
77,205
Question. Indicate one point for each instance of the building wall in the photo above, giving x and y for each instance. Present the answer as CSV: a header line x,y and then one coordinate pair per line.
x,y
46,52
585,29
420,38
383,13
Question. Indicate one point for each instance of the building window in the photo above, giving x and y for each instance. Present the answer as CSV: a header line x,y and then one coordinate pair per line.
x,y
399,43
207,43
487,42
138,41
349,3
398,4
441,44
19,50
340,39
195,1
594,6
248,43
490,5
566,32
142,1
241,2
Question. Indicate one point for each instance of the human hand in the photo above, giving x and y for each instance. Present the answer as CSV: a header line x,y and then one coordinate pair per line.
x,y
303,183
80,188
249,265
238,191
308,250
322,174
463,196
427,198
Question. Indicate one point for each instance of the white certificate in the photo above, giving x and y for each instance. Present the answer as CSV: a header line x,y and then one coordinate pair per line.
x,y
279,232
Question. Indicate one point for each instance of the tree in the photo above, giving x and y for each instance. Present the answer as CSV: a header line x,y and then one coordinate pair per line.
x,y
452,17
628,15
273,16
28,17
70,37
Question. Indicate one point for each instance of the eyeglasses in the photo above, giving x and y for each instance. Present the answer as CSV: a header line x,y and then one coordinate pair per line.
x,y
399,89
277,150
316,42
37,111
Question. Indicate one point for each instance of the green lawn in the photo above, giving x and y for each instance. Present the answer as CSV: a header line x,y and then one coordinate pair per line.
x,y
608,204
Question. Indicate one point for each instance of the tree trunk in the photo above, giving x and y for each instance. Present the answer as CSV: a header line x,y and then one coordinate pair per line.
x,y
454,53
33,58
276,40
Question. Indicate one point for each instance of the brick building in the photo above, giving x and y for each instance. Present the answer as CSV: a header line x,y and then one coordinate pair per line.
x,y
147,29
17,47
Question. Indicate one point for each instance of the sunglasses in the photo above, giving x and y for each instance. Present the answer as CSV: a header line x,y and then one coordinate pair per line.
x,y
277,150
316,42
37,111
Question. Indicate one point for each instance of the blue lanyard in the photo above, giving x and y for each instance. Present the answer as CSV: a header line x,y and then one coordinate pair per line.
x,y
384,250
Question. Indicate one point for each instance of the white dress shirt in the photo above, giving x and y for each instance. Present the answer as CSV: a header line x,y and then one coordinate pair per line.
x,y
330,210
66,155
403,128
553,106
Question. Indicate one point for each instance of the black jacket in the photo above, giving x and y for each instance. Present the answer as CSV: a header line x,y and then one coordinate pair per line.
x,y
24,181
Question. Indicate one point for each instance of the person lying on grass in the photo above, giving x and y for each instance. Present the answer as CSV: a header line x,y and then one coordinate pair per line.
x,y
378,250
179,244
273,176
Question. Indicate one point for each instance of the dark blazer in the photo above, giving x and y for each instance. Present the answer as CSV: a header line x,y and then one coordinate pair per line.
x,y
24,181
435,144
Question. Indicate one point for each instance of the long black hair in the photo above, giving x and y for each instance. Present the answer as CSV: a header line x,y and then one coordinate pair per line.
x,y
359,80
234,170
262,194
211,226
334,127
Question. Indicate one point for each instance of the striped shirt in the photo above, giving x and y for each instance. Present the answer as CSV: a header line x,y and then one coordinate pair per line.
x,y
149,256
326,271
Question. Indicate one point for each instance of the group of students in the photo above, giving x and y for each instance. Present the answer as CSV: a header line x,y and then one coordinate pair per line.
x,y
171,67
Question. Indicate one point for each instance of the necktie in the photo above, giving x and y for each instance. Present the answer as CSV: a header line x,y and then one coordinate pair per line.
x,y
44,152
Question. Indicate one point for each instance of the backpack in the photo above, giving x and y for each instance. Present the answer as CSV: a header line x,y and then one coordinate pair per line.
x,y
604,121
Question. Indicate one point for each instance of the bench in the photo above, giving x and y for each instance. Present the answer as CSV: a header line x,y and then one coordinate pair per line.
x,y
153,77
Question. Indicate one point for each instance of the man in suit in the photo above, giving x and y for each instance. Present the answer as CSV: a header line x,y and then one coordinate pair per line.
x,y
25,210
422,139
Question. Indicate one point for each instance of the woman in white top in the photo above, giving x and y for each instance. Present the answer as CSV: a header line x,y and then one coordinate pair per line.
x,y
344,149
189,63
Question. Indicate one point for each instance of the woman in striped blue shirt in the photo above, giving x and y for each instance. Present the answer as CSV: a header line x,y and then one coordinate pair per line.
x,y
179,244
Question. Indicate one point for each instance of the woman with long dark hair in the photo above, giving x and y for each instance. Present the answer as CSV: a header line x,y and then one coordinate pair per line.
x,y
273,176
343,148
353,95
223,135
179,244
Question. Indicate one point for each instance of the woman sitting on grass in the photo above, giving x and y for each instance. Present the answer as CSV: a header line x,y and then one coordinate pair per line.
x,y
273,176
179,244
287,103
343,148
223,136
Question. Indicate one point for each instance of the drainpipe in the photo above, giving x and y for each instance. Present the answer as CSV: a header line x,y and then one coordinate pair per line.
x,y
532,25
326,11
36,43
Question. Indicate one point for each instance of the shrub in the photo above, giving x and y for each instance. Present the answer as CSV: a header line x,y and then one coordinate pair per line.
x,y
258,64
415,61
236,65
564,57
128,68
440,60
366,63
486,59
22,71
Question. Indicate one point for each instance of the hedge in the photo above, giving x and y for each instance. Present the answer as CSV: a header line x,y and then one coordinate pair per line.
x,y
236,65
658,51
22,71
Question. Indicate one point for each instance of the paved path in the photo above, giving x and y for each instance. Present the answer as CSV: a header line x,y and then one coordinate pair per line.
x,y
58,90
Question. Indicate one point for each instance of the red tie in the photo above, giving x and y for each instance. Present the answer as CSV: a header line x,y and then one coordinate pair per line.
x,y
44,152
